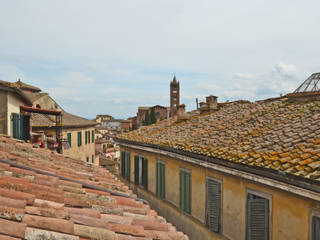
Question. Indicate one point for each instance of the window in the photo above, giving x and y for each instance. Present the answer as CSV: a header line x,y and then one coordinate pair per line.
x,y
79,139
315,227
69,139
87,159
86,137
89,137
125,164
185,190
257,217
160,175
92,135
213,205
92,158
141,171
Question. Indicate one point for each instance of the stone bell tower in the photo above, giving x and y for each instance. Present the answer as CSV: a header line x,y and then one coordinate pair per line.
x,y
174,96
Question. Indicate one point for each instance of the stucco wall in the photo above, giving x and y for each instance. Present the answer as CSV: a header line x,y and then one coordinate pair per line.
x,y
289,213
83,151
3,112
13,107
46,102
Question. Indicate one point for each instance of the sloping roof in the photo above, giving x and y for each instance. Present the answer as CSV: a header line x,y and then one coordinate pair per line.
x,y
44,195
34,96
278,134
68,120
10,87
25,86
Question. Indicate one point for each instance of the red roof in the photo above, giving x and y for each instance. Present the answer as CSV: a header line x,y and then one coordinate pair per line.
x,y
49,196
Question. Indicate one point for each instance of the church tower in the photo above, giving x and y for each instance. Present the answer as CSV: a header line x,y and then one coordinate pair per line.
x,y
174,96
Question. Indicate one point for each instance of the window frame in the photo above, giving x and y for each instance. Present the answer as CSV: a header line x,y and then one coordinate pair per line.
x,y
210,178
79,138
143,178
69,137
261,195
312,213
182,206
159,193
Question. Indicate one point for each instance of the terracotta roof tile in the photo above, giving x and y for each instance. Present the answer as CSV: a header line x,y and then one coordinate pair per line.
x,y
69,200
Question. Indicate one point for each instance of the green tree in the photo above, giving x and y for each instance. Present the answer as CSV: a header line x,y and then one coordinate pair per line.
x,y
152,117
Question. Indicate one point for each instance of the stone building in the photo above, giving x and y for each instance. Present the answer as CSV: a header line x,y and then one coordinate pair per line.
x,y
245,171
12,121
77,134
162,112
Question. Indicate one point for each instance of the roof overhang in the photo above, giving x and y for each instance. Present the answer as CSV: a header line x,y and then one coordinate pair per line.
x,y
41,111
276,179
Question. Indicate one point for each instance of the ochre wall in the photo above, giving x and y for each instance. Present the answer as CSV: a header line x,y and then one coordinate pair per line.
x,y
83,151
3,112
289,213
13,107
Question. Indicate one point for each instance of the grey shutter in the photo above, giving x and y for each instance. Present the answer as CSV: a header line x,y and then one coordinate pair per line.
x,y
213,205
315,228
136,170
257,218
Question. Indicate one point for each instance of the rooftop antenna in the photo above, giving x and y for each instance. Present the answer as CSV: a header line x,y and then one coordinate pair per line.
x,y
197,102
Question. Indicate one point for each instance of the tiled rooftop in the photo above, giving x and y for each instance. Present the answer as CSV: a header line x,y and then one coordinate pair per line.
x,y
45,195
276,134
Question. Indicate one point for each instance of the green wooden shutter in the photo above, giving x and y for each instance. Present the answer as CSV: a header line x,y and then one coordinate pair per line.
x,y
128,165
213,205
79,139
123,163
69,139
92,133
187,193
181,190
158,179
136,170
145,173
87,159
160,176
257,218
315,228
89,137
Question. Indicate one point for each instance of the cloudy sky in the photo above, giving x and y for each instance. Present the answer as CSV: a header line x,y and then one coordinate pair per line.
x,y
109,57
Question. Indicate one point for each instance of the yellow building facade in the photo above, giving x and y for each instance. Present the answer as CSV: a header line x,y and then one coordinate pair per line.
x,y
290,208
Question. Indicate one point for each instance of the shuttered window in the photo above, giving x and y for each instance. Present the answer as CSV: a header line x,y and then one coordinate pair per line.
x,y
160,175
88,136
141,171
127,164
92,158
87,159
69,138
185,191
123,163
136,169
21,126
315,228
213,205
257,217
79,139
92,136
